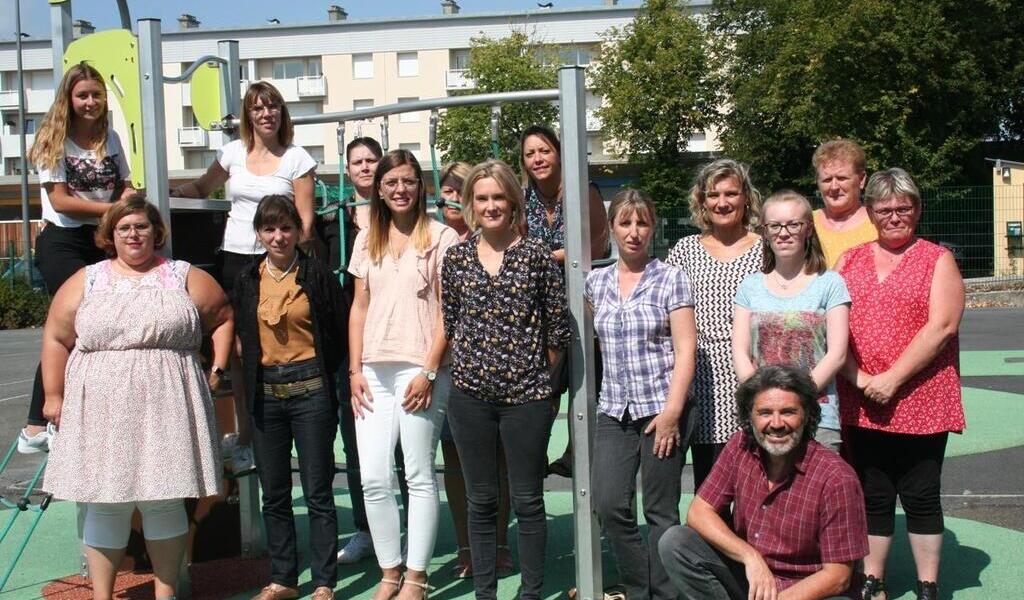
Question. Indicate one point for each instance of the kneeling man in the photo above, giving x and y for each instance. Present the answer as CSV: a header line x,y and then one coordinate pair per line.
x,y
798,519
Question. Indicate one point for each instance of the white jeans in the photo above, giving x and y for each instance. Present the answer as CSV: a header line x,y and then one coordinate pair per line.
x,y
376,435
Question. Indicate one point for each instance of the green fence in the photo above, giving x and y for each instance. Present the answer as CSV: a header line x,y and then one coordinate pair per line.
x,y
970,221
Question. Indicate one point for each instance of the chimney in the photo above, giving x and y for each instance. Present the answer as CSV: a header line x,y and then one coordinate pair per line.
x,y
187,21
336,13
449,7
82,27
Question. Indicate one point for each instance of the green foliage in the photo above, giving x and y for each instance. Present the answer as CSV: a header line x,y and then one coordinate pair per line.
x,y
509,64
22,306
918,83
654,76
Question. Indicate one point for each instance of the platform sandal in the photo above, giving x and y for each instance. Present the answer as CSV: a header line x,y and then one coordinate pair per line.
x,y
873,586
395,582
927,590
424,587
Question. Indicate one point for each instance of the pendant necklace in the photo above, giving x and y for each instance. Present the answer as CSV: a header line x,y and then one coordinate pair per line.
x,y
270,269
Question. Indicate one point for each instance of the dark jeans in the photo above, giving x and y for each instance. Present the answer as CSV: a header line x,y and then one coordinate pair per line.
x,y
353,476
60,253
904,465
522,429
620,450
309,420
704,457
700,571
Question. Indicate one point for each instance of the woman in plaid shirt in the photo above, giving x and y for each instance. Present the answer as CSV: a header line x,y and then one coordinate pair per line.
x,y
643,316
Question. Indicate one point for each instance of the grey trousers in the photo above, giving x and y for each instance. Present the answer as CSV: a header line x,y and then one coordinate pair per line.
x,y
702,572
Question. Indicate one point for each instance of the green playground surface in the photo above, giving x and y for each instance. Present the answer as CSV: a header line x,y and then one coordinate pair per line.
x,y
980,561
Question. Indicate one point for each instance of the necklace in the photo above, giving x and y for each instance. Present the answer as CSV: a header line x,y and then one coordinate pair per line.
x,y
270,268
784,284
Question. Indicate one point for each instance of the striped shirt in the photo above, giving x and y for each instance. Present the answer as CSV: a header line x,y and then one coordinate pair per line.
x,y
636,341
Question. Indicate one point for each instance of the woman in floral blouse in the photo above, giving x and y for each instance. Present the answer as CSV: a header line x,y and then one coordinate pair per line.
x,y
506,319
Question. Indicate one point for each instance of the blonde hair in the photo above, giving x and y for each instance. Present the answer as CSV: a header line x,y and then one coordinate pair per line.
x,y
840,149
269,95
632,200
500,172
814,257
457,171
377,238
712,173
48,149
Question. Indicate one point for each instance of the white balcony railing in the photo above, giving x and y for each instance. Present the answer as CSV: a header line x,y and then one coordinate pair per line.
x,y
457,79
314,86
192,137
8,98
10,145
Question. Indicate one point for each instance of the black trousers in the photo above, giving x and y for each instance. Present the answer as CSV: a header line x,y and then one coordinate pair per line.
x,y
309,421
621,449
904,465
700,571
60,253
704,457
522,429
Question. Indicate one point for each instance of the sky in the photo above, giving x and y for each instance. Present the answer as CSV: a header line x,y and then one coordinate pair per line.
x,y
232,13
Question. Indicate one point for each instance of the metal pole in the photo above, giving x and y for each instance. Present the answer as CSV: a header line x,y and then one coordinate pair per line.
x,y
230,79
26,229
154,142
61,36
586,533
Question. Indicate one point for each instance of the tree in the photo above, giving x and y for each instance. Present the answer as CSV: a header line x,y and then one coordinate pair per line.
x,y
509,64
917,82
654,75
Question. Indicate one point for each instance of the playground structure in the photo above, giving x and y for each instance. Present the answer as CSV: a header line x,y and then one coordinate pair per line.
x,y
133,67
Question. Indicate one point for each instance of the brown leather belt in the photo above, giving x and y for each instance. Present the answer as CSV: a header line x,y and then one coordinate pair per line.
x,y
284,391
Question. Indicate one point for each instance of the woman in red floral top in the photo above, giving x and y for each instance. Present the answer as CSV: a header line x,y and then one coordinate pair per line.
x,y
901,396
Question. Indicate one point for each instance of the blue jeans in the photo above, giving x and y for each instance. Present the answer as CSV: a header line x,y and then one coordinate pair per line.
x,y
309,421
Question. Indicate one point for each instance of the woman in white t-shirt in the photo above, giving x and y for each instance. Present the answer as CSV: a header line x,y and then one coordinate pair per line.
x,y
82,170
263,162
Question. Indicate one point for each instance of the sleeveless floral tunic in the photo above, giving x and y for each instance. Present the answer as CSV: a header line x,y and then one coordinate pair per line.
x,y
884,318
137,421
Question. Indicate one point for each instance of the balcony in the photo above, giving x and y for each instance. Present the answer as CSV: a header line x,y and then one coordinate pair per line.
x,y
36,101
313,86
8,98
10,146
457,79
192,137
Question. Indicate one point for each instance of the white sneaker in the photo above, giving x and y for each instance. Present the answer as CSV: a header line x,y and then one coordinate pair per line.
x,y
358,549
242,462
37,443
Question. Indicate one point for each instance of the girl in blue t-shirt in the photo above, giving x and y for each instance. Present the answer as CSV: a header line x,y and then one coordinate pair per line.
x,y
794,312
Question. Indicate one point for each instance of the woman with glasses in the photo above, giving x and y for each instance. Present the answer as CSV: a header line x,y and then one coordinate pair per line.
x,y
398,367
125,388
900,390
795,312
262,162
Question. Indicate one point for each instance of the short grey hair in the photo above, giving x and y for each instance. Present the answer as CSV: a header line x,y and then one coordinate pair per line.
x,y
891,183
776,377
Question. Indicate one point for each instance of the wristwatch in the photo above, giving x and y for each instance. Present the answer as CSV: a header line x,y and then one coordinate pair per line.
x,y
219,372
429,374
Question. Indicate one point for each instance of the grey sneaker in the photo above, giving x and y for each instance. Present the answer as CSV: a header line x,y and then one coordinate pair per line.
x,y
358,549
34,444
242,462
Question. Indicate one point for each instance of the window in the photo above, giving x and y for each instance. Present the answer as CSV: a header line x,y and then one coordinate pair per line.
x,y
362,66
408,64
458,59
412,147
314,68
408,117
243,71
361,103
300,109
574,56
30,126
289,69
317,152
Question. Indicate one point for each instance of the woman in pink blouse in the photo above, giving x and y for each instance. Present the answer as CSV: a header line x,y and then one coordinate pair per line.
x,y
901,396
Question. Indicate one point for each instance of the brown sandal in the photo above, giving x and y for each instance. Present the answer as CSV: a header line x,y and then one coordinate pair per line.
x,y
425,587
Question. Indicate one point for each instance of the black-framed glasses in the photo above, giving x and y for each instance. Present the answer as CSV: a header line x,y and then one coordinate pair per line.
x,y
900,211
792,227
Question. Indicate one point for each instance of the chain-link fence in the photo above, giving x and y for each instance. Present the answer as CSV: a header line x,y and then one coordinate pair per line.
x,y
980,225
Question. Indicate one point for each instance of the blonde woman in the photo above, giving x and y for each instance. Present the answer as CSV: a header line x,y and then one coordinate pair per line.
x,y
82,170
398,368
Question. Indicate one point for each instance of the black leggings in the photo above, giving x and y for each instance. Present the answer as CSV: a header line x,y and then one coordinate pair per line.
x,y
910,466
60,253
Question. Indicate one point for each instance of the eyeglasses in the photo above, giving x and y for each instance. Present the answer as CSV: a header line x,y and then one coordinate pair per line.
x,y
270,108
792,228
886,213
392,184
126,230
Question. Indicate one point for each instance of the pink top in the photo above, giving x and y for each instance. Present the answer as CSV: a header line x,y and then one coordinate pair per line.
x,y
884,318
404,297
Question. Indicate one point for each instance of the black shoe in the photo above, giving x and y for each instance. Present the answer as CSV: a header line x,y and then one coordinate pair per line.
x,y
561,467
927,590
872,587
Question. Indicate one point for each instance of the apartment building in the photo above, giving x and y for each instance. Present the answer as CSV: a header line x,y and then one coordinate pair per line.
x,y
334,65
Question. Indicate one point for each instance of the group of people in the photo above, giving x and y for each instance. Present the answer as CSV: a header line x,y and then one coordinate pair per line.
x,y
767,344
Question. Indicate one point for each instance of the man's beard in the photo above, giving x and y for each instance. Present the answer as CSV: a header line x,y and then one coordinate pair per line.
x,y
775,449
